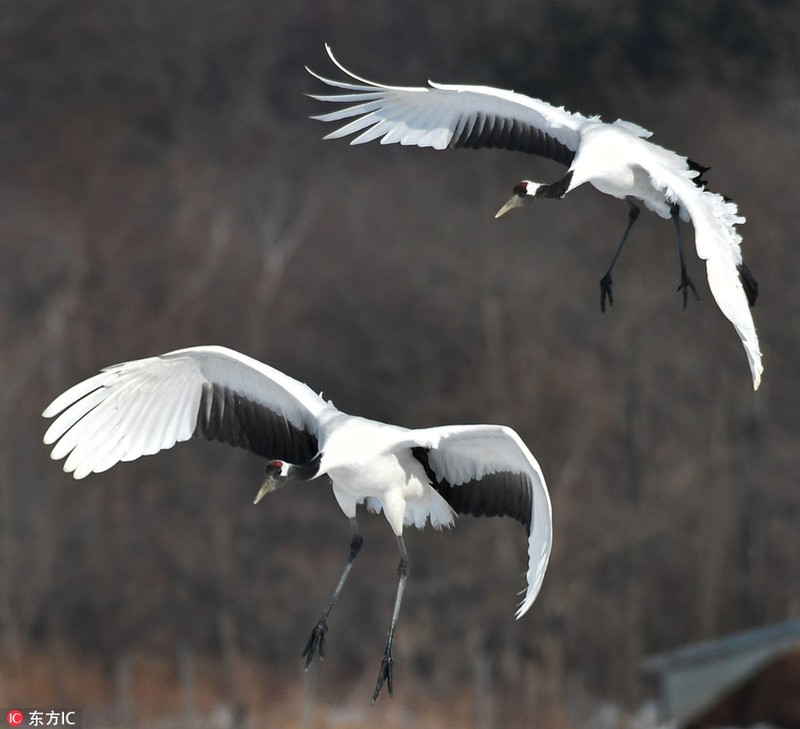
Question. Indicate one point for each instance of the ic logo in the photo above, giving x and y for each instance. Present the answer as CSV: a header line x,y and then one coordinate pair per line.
x,y
15,717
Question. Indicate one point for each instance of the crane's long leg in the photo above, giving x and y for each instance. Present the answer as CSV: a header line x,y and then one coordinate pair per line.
x,y
605,282
385,673
316,641
686,282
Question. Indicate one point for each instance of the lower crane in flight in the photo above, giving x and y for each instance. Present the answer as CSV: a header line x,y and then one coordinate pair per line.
x,y
139,408
617,159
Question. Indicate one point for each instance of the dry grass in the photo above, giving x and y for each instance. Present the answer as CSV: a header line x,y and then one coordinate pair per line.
x,y
148,691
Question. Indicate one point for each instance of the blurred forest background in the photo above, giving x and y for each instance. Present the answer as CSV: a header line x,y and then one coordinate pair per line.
x,y
162,186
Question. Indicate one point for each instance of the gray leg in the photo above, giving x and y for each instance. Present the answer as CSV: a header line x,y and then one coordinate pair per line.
x,y
317,640
605,282
385,673
686,282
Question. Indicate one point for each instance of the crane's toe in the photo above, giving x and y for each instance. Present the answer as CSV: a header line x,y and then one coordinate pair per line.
x,y
316,642
685,285
605,292
384,675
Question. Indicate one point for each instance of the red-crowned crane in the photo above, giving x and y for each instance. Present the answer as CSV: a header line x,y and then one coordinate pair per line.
x,y
414,476
615,158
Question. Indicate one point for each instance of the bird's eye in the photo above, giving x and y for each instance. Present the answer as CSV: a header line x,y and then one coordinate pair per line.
x,y
521,188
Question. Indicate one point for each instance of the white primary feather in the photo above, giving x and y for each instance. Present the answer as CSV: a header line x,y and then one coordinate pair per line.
x,y
142,407
431,116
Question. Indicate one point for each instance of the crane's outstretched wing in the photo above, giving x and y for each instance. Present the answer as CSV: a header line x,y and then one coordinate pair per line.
x,y
718,243
142,407
486,470
444,115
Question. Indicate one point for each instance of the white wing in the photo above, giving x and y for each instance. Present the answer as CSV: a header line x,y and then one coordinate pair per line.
x,y
442,116
718,243
142,407
486,470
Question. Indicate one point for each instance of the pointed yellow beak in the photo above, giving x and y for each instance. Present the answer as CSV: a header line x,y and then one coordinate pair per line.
x,y
514,202
266,487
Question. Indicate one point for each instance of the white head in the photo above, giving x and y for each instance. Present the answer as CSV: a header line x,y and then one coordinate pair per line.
x,y
524,192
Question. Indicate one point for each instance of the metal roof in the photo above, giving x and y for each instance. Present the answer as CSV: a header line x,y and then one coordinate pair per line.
x,y
692,676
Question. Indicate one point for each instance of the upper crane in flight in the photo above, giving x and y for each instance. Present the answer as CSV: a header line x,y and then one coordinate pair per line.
x,y
615,158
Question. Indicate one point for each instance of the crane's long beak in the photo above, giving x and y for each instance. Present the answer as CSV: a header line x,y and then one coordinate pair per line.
x,y
268,485
514,202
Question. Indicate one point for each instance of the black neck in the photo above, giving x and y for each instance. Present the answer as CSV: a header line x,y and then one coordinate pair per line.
x,y
306,471
557,189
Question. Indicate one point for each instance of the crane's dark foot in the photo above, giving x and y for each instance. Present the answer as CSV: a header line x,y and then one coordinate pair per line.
x,y
685,285
316,642
384,675
605,292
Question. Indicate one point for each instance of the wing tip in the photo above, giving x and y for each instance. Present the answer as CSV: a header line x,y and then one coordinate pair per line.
x,y
524,606
314,74
757,377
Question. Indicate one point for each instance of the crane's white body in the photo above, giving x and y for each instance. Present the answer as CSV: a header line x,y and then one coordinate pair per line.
x,y
610,158
369,461
615,158
139,408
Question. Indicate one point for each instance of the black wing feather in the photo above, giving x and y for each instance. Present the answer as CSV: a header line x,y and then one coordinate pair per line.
x,y
228,417
749,284
495,494
513,135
